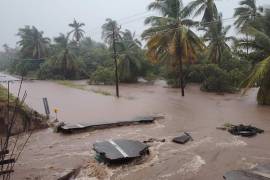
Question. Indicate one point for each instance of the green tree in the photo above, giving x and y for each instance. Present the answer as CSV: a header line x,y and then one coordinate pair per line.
x,y
170,38
32,43
130,57
111,33
260,76
64,57
216,36
245,15
77,31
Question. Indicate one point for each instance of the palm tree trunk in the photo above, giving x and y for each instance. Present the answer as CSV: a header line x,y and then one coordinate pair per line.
x,y
116,66
180,66
38,51
247,44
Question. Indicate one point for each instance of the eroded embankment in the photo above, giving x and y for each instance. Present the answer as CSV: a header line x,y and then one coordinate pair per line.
x,y
24,117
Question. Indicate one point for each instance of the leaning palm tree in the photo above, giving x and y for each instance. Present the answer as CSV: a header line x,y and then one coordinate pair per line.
x,y
130,57
64,56
207,7
77,32
245,15
216,36
112,35
32,43
170,38
260,76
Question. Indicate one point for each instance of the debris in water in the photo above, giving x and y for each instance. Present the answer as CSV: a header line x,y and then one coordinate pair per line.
x,y
71,175
245,131
242,130
120,151
70,128
261,172
182,139
151,140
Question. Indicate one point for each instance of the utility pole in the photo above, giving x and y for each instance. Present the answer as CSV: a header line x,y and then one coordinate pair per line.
x,y
115,63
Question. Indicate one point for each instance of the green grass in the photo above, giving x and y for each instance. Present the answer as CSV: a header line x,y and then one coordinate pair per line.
x,y
99,91
4,95
82,87
71,84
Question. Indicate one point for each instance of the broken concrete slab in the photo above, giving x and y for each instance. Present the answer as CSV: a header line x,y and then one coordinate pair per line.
x,y
243,175
120,151
70,128
182,139
261,172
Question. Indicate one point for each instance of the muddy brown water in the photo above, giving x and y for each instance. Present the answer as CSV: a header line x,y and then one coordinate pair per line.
x,y
209,156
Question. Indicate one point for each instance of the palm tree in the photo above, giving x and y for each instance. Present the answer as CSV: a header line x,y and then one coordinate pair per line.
x,y
64,56
170,38
33,44
260,76
78,32
130,57
207,7
112,35
246,14
216,35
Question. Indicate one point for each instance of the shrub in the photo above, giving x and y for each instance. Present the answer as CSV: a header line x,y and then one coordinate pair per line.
x,y
103,75
195,73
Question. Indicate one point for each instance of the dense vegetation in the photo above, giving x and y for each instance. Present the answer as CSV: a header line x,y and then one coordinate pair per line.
x,y
173,51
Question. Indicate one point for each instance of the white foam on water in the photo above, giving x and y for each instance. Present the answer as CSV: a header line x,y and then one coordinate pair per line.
x,y
192,166
234,143
154,157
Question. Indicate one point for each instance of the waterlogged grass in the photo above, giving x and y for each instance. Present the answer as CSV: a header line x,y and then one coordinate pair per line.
x,y
4,94
99,91
71,84
82,87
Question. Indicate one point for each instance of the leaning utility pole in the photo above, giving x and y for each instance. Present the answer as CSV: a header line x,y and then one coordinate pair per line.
x,y
115,63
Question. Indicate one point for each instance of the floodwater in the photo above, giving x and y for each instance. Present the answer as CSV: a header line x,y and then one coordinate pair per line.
x,y
212,153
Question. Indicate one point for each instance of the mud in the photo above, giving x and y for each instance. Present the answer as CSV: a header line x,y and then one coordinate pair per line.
x,y
209,156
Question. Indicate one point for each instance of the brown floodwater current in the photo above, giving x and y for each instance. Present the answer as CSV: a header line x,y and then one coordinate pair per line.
x,y
213,152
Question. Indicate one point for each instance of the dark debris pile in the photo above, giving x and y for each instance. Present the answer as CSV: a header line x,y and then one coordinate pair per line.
x,y
245,131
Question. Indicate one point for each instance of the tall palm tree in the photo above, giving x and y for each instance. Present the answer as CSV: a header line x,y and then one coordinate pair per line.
x,y
112,35
207,7
64,56
170,38
260,76
130,57
246,14
216,35
32,43
77,32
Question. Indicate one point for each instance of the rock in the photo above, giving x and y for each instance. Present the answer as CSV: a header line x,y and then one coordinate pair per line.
x,y
182,139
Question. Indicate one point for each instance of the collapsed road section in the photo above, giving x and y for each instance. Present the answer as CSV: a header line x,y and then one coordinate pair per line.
x,y
71,128
119,151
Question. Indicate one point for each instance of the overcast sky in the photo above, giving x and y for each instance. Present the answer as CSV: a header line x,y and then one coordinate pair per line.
x,y
53,16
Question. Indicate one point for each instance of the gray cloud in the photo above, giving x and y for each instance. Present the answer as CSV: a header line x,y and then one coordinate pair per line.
x,y
53,16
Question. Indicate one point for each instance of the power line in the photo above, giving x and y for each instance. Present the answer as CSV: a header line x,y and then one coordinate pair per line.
x,y
128,17
169,29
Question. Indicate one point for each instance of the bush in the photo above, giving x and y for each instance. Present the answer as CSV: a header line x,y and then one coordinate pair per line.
x,y
103,75
195,73
216,80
